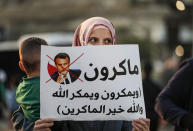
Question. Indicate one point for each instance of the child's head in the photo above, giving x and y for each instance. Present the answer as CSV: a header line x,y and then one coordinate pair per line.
x,y
29,53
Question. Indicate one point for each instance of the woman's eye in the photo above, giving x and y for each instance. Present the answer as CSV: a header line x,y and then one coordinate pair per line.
x,y
108,41
92,40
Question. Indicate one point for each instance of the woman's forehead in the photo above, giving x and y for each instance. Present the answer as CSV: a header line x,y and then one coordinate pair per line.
x,y
101,32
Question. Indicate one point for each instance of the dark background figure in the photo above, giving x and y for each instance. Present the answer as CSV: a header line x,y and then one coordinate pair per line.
x,y
12,105
151,91
170,67
3,77
175,102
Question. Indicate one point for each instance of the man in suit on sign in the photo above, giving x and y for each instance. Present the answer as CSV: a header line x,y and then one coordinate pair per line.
x,y
64,75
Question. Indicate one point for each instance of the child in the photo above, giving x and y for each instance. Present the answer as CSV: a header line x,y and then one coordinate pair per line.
x,y
28,91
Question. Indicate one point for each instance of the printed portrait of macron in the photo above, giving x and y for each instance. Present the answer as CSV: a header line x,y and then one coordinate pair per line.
x,y
62,74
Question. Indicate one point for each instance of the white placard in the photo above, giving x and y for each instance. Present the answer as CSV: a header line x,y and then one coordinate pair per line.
x,y
107,84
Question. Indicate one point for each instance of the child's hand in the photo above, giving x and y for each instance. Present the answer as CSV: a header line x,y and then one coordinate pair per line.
x,y
43,124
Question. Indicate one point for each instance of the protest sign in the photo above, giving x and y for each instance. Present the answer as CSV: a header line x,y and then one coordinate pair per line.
x,y
91,83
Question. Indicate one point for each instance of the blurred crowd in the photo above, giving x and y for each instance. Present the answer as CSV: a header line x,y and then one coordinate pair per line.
x,y
8,104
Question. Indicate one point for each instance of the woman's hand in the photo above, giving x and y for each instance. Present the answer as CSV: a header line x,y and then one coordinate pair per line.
x,y
141,124
43,124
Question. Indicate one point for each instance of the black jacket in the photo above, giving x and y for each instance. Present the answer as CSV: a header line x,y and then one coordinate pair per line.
x,y
175,102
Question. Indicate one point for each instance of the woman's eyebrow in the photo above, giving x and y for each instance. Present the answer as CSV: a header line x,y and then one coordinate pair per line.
x,y
109,38
93,37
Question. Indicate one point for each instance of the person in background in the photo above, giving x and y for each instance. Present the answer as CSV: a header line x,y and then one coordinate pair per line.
x,y
11,95
95,31
175,102
3,104
151,91
170,67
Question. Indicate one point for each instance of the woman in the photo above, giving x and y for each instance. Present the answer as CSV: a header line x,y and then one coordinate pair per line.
x,y
96,31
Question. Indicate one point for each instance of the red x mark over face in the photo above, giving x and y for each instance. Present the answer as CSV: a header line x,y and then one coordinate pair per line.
x,y
66,68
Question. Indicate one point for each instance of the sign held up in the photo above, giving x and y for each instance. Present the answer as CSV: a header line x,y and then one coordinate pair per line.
x,y
91,83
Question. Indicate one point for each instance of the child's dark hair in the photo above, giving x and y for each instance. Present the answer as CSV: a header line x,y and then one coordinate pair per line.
x,y
29,53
